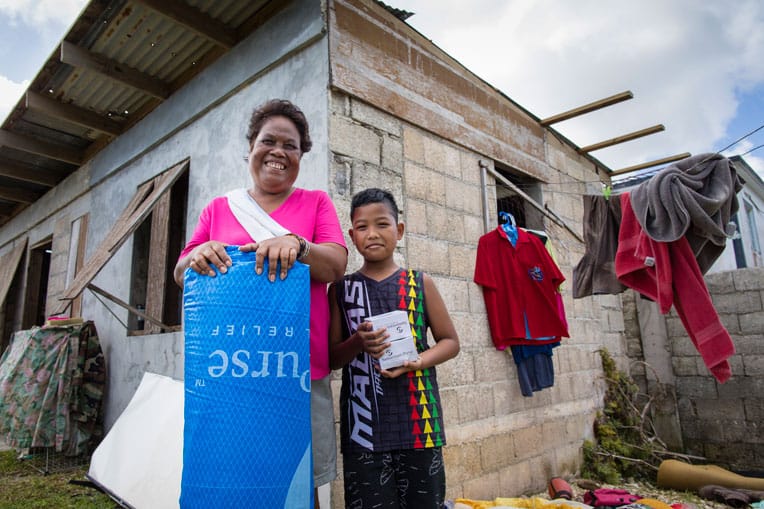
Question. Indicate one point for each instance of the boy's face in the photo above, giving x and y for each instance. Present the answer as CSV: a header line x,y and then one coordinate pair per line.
x,y
375,232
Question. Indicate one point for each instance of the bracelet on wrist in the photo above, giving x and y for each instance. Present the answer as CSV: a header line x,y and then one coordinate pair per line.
x,y
304,246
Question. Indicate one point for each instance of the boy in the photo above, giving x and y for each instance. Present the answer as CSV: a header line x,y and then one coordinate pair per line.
x,y
392,423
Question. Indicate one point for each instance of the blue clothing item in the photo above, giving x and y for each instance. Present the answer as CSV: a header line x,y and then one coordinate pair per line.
x,y
535,370
509,227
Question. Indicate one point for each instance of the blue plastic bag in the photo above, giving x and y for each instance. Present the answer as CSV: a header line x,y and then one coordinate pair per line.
x,y
246,438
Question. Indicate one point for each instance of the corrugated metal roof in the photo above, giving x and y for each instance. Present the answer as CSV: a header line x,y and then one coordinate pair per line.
x,y
75,109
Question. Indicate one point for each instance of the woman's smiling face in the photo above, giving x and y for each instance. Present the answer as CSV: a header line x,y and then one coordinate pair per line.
x,y
274,157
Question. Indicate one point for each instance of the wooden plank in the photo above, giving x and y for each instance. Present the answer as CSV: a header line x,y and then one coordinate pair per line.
x,y
626,137
73,114
157,272
80,57
34,146
195,20
18,195
80,260
32,175
8,269
544,210
116,300
587,108
130,219
650,164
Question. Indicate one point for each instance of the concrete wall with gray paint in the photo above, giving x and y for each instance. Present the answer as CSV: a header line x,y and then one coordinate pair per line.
x,y
206,121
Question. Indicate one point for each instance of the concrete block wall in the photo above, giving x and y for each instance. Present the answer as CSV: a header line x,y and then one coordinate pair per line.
x,y
723,422
499,442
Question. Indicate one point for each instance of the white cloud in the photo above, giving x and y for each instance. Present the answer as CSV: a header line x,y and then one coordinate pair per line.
x,y
10,93
687,63
43,15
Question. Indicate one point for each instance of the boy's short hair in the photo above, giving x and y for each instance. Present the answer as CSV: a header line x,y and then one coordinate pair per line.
x,y
374,195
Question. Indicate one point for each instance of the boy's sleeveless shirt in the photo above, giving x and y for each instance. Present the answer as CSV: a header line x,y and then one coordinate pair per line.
x,y
381,414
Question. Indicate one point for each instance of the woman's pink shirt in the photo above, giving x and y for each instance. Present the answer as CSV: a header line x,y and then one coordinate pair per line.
x,y
308,213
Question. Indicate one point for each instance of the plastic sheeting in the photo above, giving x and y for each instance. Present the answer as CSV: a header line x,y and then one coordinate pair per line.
x,y
247,436
51,388
139,461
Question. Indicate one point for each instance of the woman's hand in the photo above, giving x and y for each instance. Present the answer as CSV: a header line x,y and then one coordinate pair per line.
x,y
280,252
208,255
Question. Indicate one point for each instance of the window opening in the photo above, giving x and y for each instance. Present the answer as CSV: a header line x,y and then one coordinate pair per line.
x,y
38,271
141,206
156,245
508,200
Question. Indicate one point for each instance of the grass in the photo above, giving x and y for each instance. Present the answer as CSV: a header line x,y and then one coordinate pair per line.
x,y
24,487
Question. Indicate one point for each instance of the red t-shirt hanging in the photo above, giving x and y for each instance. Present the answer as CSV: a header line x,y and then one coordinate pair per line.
x,y
519,283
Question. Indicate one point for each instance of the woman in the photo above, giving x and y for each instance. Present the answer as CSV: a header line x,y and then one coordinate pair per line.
x,y
278,137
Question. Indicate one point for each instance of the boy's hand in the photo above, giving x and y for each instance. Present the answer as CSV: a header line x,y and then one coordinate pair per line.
x,y
407,367
373,341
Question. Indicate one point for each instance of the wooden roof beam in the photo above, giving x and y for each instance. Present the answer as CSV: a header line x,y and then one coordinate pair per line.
x,y
28,144
74,114
32,175
587,108
76,56
626,137
18,195
195,20
657,162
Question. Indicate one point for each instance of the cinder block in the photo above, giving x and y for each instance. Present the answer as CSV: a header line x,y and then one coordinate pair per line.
x,y
416,216
752,323
484,487
462,461
413,145
392,154
751,278
684,366
720,283
428,254
719,409
497,452
461,260
369,115
352,139
697,387
515,480
437,221
528,441
739,302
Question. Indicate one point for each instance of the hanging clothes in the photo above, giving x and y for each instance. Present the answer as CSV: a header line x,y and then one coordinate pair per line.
x,y
519,289
695,198
595,272
668,273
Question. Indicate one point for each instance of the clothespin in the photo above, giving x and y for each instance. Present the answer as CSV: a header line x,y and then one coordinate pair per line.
x,y
607,190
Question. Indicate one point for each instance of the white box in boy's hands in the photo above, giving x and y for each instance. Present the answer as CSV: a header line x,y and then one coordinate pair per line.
x,y
402,347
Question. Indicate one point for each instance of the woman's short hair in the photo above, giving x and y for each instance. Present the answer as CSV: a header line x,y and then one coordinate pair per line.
x,y
280,108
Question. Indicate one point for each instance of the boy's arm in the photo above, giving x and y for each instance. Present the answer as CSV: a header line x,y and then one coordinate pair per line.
x,y
446,340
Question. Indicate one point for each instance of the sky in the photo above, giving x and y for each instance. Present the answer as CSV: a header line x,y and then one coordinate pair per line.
x,y
695,67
